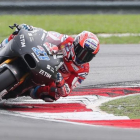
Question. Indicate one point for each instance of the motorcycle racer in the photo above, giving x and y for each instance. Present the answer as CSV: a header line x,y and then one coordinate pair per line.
x,y
77,53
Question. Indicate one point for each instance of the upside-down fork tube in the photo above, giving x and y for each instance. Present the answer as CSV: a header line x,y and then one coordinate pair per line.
x,y
16,72
8,61
13,67
20,82
23,78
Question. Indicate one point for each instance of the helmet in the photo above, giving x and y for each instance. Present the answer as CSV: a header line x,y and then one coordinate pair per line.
x,y
86,46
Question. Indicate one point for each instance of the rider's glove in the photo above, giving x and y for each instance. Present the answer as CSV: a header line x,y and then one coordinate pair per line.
x,y
25,27
47,94
62,87
59,80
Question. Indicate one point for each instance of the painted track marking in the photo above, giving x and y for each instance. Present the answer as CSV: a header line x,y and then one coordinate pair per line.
x,y
78,107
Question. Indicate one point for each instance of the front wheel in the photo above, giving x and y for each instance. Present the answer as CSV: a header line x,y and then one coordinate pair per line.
x,y
7,79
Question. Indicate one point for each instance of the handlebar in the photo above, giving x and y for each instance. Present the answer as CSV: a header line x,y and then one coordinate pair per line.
x,y
14,26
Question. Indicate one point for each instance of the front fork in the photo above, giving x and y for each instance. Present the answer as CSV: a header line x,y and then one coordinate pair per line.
x,y
20,78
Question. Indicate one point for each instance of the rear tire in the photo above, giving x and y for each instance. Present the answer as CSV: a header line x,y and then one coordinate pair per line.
x,y
6,79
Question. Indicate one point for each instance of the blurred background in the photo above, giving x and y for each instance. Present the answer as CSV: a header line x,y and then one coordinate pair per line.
x,y
69,6
113,21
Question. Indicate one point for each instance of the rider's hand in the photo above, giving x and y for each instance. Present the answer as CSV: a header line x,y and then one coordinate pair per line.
x,y
59,80
48,96
25,27
63,89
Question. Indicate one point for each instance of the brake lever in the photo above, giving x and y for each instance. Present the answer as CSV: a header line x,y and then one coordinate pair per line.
x,y
14,26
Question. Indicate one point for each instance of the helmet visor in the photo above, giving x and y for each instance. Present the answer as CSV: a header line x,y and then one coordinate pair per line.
x,y
83,55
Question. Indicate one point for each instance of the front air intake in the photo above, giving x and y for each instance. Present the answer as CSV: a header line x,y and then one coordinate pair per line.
x,y
30,61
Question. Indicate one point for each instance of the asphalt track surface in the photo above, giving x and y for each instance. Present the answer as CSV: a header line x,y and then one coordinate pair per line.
x,y
114,65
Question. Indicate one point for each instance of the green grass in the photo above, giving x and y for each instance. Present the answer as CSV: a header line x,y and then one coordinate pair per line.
x,y
74,24
127,106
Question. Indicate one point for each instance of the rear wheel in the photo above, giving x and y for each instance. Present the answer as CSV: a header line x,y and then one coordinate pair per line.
x,y
6,79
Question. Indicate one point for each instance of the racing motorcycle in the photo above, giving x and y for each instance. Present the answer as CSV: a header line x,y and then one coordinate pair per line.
x,y
26,62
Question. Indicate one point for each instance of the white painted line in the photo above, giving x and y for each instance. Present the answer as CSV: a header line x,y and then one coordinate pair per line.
x,y
115,34
92,102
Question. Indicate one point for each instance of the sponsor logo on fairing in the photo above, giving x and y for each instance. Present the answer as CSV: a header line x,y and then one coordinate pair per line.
x,y
22,40
44,73
50,68
41,54
34,31
35,57
57,67
31,37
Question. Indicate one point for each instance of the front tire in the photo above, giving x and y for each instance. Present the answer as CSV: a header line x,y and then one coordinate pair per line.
x,y
7,79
